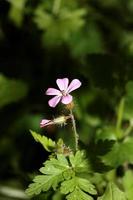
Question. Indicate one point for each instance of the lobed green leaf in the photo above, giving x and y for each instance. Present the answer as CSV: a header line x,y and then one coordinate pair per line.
x,y
59,29
69,186
120,153
79,162
112,192
78,194
78,188
47,143
52,176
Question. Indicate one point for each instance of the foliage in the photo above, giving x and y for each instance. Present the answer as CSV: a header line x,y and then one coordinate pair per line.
x,y
11,90
53,175
128,184
93,41
112,193
48,144
124,152
17,11
64,173
59,28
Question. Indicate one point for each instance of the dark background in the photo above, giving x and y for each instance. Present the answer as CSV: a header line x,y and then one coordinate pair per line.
x,y
88,40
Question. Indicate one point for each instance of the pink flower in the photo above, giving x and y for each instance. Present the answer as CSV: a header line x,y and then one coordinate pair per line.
x,y
46,122
63,93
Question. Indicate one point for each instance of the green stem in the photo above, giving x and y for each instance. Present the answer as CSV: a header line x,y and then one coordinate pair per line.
x,y
56,6
128,130
76,136
119,118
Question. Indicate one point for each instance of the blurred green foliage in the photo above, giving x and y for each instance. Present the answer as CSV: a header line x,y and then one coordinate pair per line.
x,y
16,12
11,91
44,40
112,192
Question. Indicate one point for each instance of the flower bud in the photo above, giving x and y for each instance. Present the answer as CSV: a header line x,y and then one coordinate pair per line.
x,y
61,120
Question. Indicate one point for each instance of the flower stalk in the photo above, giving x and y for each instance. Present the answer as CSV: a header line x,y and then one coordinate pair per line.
x,y
62,94
76,136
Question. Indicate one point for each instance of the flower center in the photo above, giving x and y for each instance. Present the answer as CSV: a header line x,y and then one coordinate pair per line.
x,y
63,93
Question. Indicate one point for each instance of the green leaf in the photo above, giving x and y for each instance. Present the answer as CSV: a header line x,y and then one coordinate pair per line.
x,y
128,184
48,144
16,11
11,90
42,18
112,192
77,187
78,194
87,41
64,170
106,133
60,28
96,151
69,186
52,176
124,152
79,162
86,186
61,162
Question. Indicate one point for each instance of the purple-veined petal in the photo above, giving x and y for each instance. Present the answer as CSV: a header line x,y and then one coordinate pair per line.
x,y
45,122
53,91
66,99
54,101
74,85
62,83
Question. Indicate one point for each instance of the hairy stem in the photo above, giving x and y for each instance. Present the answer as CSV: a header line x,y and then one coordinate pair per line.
x,y
76,136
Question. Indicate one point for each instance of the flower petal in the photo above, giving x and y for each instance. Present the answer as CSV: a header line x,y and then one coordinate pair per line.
x,y
66,99
45,122
53,91
74,85
62,83
54,101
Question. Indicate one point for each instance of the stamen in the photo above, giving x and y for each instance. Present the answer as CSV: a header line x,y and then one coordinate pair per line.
x,y
63,93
